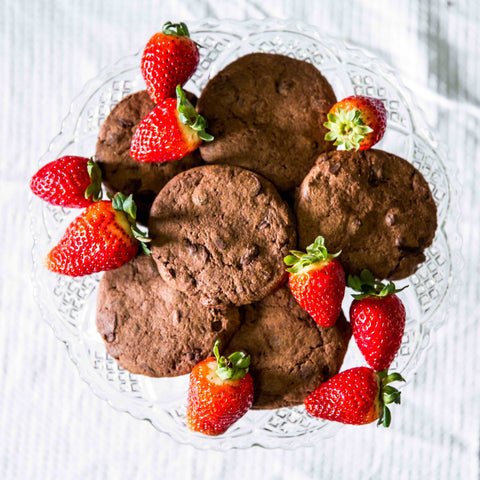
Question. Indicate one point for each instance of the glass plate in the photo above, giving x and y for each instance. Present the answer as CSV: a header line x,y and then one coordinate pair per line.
x,y
68,304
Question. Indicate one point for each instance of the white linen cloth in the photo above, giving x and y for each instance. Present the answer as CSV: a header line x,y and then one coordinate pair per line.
x,y
52,426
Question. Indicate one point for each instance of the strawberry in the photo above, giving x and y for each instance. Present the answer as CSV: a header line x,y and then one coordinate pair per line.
x,y
169,59
220,392
357,122
69,181
317,281
103,237
377,317
170,131
357,396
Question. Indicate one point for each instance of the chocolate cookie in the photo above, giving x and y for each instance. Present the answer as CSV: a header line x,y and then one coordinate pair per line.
x,y
221,233
266,112
290,354
373,206
152,329
121,173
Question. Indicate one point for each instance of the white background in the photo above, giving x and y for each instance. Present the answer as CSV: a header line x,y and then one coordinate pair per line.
x,y
51,425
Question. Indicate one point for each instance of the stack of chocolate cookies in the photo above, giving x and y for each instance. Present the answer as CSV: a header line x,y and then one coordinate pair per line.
x,y
223,219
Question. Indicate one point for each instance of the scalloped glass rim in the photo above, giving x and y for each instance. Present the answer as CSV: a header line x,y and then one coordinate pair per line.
x,y
350,70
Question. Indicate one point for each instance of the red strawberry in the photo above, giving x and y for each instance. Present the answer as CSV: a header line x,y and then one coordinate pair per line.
x,y
170,131
377,317
103,237
220,392
357,122
357,396
73,182
169,59
317,281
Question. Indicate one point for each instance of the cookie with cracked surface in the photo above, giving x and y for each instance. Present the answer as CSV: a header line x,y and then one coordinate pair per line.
x,y
374,206
120,172
266,113
221,233
290,354
155,330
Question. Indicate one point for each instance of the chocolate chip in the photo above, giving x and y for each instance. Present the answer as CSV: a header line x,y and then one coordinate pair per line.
x,y
148,369
190,356
284,86
259,107
390,219
192,249
216,326
251,252
334,168
210,302
266,274
109,337
399,241
255,186
125,123
200,196
171,273
219,243
263,224
354,225
375,175
176,317
189,282
202,254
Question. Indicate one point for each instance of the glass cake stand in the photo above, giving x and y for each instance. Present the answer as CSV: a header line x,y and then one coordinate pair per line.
x,y
68,304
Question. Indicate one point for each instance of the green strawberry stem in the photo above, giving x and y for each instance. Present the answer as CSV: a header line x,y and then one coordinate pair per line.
x,y
346,128
126,205
95,188
369,287
189,116
177,29
316,252
388,395
235,367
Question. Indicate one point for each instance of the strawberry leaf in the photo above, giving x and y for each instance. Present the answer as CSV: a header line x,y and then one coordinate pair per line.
x,y
235,367
386,418
290,260
316,252
127,205
388,395
189,116
94,190
369,287
346,128
176,29
354,282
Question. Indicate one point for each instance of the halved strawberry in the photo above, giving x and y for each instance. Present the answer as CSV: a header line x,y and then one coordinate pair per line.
x,y
103,237
170,58
377,317
356,122
356,396
220,392
68,181
170,131
317,281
